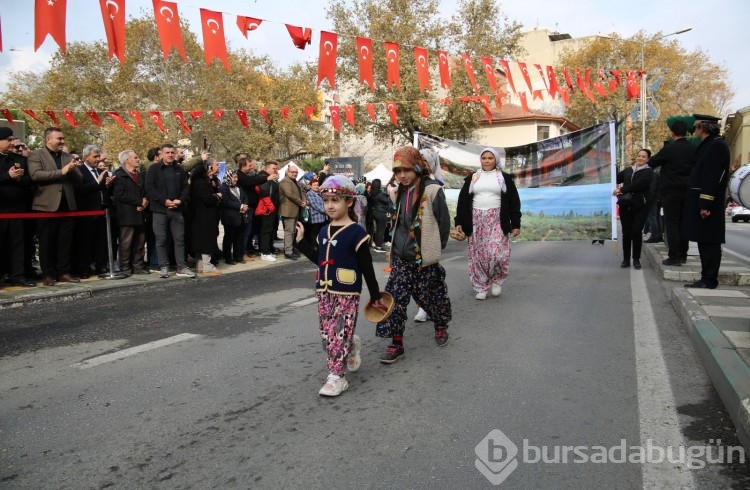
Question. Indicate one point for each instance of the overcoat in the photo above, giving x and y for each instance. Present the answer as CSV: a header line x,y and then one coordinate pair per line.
x,y
707,187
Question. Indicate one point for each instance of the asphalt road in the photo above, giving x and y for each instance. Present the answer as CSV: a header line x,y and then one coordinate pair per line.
x,y
576,352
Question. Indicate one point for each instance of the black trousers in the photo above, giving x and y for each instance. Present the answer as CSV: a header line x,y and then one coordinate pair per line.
x,y
12,247
269,225
710,262
55,244
674,204
231,245
90,245
632,236
381,219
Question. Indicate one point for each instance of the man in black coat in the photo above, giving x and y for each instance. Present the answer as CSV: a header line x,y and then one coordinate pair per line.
x,y
248,178
129,196
705,202
676,162
90,241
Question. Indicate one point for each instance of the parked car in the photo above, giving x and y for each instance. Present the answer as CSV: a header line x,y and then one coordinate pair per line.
x,y
739,213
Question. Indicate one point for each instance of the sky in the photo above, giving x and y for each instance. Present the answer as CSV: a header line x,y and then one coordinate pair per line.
x,y
716,27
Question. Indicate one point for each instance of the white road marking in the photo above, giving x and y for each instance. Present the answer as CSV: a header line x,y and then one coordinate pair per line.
x,y
304,302
115,356
657,412
739,255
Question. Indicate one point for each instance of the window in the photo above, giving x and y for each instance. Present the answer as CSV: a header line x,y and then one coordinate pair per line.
x,y
542,132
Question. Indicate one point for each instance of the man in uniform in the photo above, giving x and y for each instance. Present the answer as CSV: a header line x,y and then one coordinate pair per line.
x,y
704,204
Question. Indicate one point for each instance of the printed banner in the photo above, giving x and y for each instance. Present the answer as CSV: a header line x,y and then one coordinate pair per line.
x,y
565,183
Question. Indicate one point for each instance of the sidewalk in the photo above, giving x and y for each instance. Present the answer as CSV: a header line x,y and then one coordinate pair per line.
x,y
718,322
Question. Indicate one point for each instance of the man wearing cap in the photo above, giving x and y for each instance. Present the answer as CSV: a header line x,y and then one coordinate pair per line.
x,y
15,189
704,203
676,162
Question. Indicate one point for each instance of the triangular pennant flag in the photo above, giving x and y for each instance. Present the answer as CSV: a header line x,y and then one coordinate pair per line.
x,y
196,114
466,59
423,108
247,24
218,113
506,69
391,57
583,88
588,77
565,96
391,107
489,72
349,113
371,111
284,112
181,118
617,74
525,73
53,116
445,75
612,86
537,94
118,119
242,114
49,18
264,112
69,117
7,115
156,117
136,117
632,85
94,118
309,112
33,116
214,43
168,27
364,54
335,117
113,16
329,42
600,89
524,104
301,38
423,69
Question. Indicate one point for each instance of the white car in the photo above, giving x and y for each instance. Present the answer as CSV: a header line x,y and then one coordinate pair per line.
x,y
739,213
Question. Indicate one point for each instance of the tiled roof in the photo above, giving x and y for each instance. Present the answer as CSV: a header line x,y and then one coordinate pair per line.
x,y
512,112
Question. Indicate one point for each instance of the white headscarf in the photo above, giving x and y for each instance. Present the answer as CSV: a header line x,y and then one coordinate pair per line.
x,y
433,160
498,166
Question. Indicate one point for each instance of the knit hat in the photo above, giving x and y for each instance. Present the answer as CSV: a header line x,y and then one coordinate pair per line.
x,y
338,184
408,157
5,133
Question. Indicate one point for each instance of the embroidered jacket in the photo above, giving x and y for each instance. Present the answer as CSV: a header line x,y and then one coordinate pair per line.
x,y
338,269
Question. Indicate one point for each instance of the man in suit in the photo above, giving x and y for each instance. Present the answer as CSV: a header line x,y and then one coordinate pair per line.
x,y
90,241
676,162
128,194
248,179
705,201
291,203
54,172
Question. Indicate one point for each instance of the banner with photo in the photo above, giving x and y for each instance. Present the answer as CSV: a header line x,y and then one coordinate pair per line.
x,y
565,183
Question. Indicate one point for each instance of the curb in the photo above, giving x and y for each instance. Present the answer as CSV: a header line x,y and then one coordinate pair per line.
x,y
728,372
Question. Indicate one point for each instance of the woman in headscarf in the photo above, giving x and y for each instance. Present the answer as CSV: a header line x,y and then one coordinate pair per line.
x,y
204,202
488,212
234,207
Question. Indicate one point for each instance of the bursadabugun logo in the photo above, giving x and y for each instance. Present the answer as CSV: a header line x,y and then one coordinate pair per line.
x,y
496,457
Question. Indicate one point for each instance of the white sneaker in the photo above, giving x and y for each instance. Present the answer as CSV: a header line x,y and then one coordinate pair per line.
x,y
185,272
335,385
354,361
421,316
268,257
496,289
482,295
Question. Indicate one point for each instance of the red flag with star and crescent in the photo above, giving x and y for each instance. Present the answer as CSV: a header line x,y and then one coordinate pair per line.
x,y
49,18
371,110
506,69
445,74
466,59
553,90
349,114
422,104
70,118
156,117
181,119
247,24
329,43
137,118
113,16
335,117
214,44
364,54
391,57
168,26
632,85
489,72
301,37
391,107
116,117
423,69
525,73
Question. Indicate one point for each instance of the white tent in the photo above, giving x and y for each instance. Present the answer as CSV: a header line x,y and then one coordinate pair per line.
x,y
380,172
282,170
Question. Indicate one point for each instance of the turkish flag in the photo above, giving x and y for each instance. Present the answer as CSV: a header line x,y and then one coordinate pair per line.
x,y
118,119
506,69
94,118
168,26
284,113
391,107
632,85
218,113
423,108
335,117
49,18
7,115
53,116
565,97
196,114
525,73
371,110
247,24
541,74
309,111
301,38
537,94
524,104
242,114
599,88
470,72
156,117
446,101
553,90
617,75
489,72
69,117
113,16
568,81
349,113
33,115
583,88
423,69
364,53
391,57
445,74
137,118
329,42
214,44
181,118
264,112
485,101
588,77
612,86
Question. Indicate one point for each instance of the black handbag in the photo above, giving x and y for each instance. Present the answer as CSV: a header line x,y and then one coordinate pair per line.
x,y
632,201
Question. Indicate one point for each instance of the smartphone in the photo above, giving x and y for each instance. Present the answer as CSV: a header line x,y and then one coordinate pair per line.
x,y
17,165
